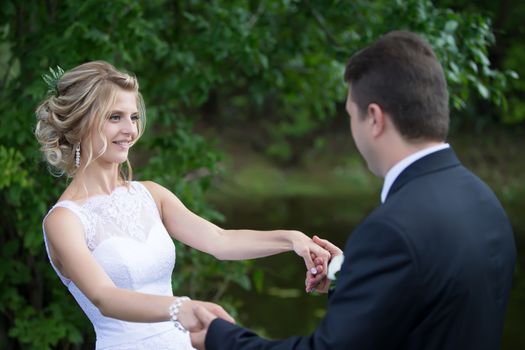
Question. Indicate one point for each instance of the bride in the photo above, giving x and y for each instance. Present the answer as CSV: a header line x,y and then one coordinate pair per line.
x,y
109,238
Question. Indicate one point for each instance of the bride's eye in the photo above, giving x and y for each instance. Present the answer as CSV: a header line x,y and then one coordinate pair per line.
x,y
114,117
135,118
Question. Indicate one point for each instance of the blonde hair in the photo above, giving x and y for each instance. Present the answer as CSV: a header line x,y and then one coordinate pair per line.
x,y
80,106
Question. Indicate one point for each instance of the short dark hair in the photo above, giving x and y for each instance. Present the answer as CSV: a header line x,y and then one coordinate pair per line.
x,y
401,74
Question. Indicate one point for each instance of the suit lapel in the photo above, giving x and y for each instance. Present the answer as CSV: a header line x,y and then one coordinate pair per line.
x,y
433,162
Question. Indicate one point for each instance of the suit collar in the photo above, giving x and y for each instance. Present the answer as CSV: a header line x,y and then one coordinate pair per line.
x,y
397,169
436,161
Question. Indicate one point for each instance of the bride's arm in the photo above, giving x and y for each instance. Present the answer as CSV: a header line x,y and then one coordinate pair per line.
x,y
201,234
71,256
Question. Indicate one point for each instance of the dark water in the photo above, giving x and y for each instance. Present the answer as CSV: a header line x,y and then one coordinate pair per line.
x,y
282,308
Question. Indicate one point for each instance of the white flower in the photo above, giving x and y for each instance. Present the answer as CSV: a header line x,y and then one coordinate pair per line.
x,y
335,266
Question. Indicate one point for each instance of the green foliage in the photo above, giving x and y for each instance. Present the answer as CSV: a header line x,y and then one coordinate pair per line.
x,y
12,173
306,43
462,42
274,63
508,53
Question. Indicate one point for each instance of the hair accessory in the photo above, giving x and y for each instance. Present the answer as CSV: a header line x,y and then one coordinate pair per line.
x,y
174,313
77,155
52,80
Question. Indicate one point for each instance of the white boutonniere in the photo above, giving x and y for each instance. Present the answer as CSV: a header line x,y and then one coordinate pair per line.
x,y
335,266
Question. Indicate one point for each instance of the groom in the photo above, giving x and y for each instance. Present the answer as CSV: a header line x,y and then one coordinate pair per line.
x,y
431,267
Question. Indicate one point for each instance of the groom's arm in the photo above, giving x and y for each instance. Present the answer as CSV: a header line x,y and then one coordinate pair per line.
x,y
225,335
370,308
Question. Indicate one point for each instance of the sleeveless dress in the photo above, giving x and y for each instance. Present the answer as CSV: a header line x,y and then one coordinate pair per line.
x,y
126,236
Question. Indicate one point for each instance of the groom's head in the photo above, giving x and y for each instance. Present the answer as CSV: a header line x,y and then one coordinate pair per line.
x,y
401,73
399,77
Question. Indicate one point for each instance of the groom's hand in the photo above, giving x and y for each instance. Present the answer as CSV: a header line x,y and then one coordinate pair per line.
x,y
327,245
321,283
306,248
205,317
189,319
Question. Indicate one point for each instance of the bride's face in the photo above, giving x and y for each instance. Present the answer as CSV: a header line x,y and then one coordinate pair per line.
x,y
120,129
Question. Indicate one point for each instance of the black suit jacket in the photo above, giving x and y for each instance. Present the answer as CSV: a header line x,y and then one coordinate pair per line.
x,y
431,268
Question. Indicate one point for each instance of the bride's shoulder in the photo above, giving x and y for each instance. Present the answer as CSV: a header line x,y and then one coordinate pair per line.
x,y
150,185
61,217
65,210
156,190
161,195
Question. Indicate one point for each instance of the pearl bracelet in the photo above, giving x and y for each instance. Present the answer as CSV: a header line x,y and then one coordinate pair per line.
x,y
174,313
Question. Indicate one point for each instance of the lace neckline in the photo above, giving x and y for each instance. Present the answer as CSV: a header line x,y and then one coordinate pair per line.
x,y
128,211
97,198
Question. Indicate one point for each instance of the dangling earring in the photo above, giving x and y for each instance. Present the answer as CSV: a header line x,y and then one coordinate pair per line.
x,y
77,155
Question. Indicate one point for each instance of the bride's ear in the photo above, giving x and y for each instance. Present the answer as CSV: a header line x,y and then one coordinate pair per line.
x,y
376,118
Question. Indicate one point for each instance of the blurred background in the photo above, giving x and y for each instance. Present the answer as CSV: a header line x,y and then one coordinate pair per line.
x,y
246,124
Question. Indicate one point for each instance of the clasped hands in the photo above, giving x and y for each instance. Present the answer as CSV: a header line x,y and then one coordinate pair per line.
x,y
196,316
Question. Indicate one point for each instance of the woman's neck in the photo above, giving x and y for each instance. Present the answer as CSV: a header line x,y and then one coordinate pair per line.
x,y
95,181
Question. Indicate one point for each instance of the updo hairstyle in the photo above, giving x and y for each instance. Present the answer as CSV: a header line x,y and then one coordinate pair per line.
x,y
78,108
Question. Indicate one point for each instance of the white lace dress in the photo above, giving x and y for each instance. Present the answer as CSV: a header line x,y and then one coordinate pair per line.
x,y
126,236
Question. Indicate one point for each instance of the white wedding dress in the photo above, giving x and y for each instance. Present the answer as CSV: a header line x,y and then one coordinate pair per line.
x,y
125,234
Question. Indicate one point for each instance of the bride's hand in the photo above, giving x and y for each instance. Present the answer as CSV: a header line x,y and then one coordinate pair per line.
x,y
318,283
306,248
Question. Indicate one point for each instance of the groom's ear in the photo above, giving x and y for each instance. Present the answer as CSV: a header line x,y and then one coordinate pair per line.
x,y
376,119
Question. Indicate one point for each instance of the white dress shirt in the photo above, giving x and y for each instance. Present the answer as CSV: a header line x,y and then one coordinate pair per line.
x,y
397,169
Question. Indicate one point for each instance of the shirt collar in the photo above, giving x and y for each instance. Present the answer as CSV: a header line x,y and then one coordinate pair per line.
x,y
397,169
